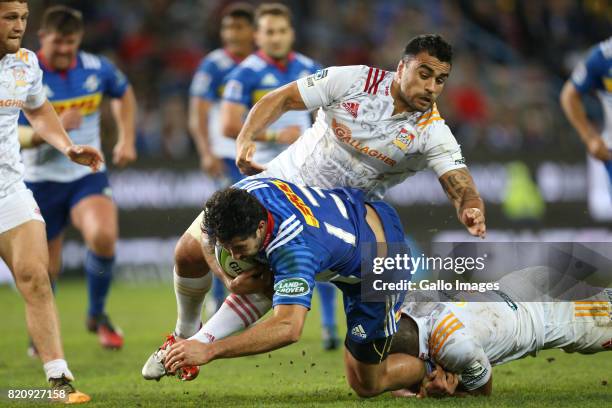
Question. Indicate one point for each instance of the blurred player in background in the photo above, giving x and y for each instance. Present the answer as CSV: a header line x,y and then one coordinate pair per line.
x,y
272,66
593,75
23,245
275,64
75,83
218,152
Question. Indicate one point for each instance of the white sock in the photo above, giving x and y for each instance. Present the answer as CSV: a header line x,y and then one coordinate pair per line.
x,y
190,293
236,313
57,368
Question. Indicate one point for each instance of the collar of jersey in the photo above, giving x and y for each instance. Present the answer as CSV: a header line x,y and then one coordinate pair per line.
x,y
271,61
234,57
269,230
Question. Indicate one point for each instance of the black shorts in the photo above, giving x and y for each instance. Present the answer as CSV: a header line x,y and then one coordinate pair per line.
x,y
374,352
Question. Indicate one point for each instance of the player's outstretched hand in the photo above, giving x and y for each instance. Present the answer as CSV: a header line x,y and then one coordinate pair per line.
x,y
187,353
598,149
438,383
244,159
474,221
124,154
256,280
85,155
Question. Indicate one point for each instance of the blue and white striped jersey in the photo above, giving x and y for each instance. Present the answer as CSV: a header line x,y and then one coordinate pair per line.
x,y
258,75
316,234
80,87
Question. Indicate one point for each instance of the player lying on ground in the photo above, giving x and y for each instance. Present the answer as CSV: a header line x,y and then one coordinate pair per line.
x,y
373,130
301,232
23,244
469,337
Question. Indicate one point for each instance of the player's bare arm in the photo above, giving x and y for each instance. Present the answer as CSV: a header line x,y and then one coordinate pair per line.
x,y
45,122
232,115
70,119
283,328
208,251
264,113
124,112
485,390
573,107
461,190
199,110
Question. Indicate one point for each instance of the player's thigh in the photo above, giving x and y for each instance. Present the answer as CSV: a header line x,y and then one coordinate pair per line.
x,y
53,198
188,256
95,216
24,249
370,325
23,239
364,378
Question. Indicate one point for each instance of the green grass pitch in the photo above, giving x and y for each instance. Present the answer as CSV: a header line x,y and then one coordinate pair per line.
x,y
301,375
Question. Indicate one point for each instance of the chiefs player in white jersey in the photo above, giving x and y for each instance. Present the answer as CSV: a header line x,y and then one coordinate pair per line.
x,y
23,245
468,337
374,129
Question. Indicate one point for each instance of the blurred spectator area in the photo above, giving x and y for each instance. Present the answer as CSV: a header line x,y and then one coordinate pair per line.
x,y
511,58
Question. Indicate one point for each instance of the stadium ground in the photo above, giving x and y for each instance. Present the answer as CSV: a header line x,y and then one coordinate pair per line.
x,y
301,375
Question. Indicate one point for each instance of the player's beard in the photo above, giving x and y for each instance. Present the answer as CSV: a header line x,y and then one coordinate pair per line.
x,y
12,45
428,104
279,53
62,62
413,107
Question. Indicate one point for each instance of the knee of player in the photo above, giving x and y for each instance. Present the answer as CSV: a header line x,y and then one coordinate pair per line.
x,y
103,242
31,277
188,253
364,389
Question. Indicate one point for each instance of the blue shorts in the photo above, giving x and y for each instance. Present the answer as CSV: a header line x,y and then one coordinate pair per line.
x,y
56,199
370,325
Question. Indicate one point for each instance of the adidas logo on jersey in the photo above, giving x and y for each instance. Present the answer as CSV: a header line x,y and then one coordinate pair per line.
x,y
359,332
269,80
351,107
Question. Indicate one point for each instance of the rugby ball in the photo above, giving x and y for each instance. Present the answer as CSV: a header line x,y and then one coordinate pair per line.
x,y
232,267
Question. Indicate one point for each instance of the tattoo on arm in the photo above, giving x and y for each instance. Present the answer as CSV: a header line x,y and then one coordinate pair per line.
x,y
459,187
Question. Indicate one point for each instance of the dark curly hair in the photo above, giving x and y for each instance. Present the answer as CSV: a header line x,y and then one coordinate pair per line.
x,y
231,213
433,44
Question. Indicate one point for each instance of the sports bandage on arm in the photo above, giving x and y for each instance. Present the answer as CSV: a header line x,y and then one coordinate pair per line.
x,y
26,137
441,149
